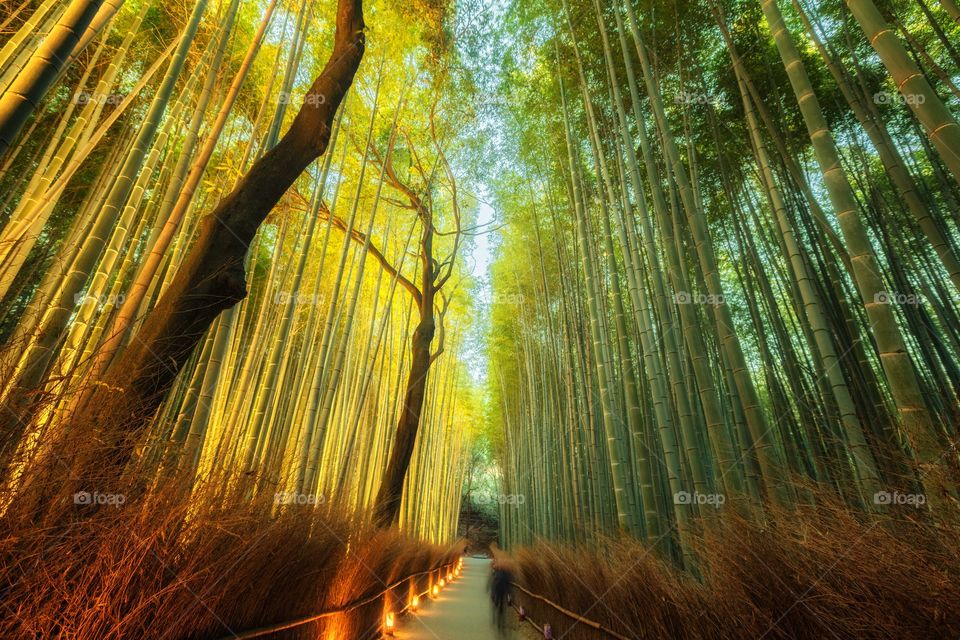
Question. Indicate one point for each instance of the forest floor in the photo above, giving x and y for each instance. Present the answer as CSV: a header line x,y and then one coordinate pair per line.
x,y
462,612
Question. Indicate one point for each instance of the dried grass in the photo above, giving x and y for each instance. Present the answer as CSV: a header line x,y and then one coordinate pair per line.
x,y
203,566
813,573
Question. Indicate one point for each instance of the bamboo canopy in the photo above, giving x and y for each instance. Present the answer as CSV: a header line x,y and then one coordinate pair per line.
x,y
587,271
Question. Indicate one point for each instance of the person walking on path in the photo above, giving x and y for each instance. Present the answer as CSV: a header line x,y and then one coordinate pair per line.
x,y
500,588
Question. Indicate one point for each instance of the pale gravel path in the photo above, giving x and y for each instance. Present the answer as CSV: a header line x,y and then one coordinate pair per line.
x,y
462,612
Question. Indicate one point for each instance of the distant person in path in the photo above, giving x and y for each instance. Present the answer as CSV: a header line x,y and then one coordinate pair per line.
x,y
500,587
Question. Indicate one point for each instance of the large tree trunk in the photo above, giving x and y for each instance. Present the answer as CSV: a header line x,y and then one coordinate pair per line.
x,y
211,278
389,497
145,277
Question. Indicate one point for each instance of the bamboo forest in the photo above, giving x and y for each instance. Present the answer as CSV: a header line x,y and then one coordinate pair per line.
x,y
477,319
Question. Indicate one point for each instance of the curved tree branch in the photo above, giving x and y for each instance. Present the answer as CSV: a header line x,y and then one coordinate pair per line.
x,y
361,238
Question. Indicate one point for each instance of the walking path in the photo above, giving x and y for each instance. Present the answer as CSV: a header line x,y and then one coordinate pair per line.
x,y
461,612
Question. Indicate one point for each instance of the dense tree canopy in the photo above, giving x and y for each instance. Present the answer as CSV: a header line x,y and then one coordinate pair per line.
x,y
608,271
